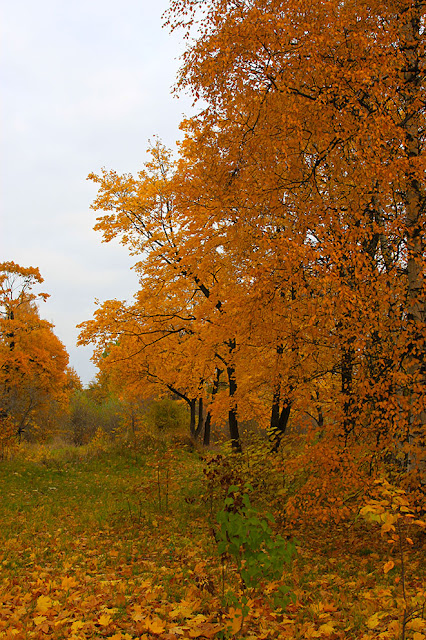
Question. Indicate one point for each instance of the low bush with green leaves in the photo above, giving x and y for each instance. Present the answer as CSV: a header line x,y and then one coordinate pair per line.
x,y
260,554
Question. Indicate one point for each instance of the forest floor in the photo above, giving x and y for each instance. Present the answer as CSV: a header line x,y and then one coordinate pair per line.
x,y
120,544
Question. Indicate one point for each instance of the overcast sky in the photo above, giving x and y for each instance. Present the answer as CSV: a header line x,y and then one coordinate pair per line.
x,y
84,85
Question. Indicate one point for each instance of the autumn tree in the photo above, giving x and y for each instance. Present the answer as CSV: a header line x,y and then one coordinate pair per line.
x,y
34,379
311,144
296,211
142,212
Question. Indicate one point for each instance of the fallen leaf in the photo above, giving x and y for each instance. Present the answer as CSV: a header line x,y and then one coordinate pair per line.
x,y
137,616
326,629
43,603
155,626
181,611
236,620
104,619
68,583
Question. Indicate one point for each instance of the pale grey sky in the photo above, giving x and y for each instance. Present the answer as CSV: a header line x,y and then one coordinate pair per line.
x,y
84,84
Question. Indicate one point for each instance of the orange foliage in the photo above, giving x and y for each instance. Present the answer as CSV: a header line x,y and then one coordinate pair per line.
x,y
33,362
286,243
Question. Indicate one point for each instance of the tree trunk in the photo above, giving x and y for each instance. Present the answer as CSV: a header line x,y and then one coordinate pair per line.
x,y
192,417
232,414
200,418
279,417
279,422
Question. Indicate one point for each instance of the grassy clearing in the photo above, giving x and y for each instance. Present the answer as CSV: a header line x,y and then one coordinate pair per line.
x,y
118,544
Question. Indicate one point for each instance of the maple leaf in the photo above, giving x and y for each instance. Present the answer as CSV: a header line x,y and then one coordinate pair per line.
x,y
236,619
76,626
155,626
137,616
43,603
177,631
68,583
205,629
326,629
373,621
104,619
183,610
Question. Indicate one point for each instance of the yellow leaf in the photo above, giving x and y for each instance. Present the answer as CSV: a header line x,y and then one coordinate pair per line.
x,y
418,636
417,624
181,611
309,631
177,631
104,619
39,620
205,629
388,566
421,523
43,603
78,624
198,619
326,629
409,540
395,628
387,527
155,626
137,616
236,620
68,583
373,621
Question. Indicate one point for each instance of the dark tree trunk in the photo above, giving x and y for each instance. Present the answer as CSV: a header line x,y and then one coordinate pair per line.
x,y
232,415
279,418
208,422
200,418
207,429
192,416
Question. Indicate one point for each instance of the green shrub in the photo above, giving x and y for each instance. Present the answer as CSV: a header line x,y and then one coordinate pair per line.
x,y
260,555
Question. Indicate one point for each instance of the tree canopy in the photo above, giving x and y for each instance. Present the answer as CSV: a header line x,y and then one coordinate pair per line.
x,y
34,376
285,244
